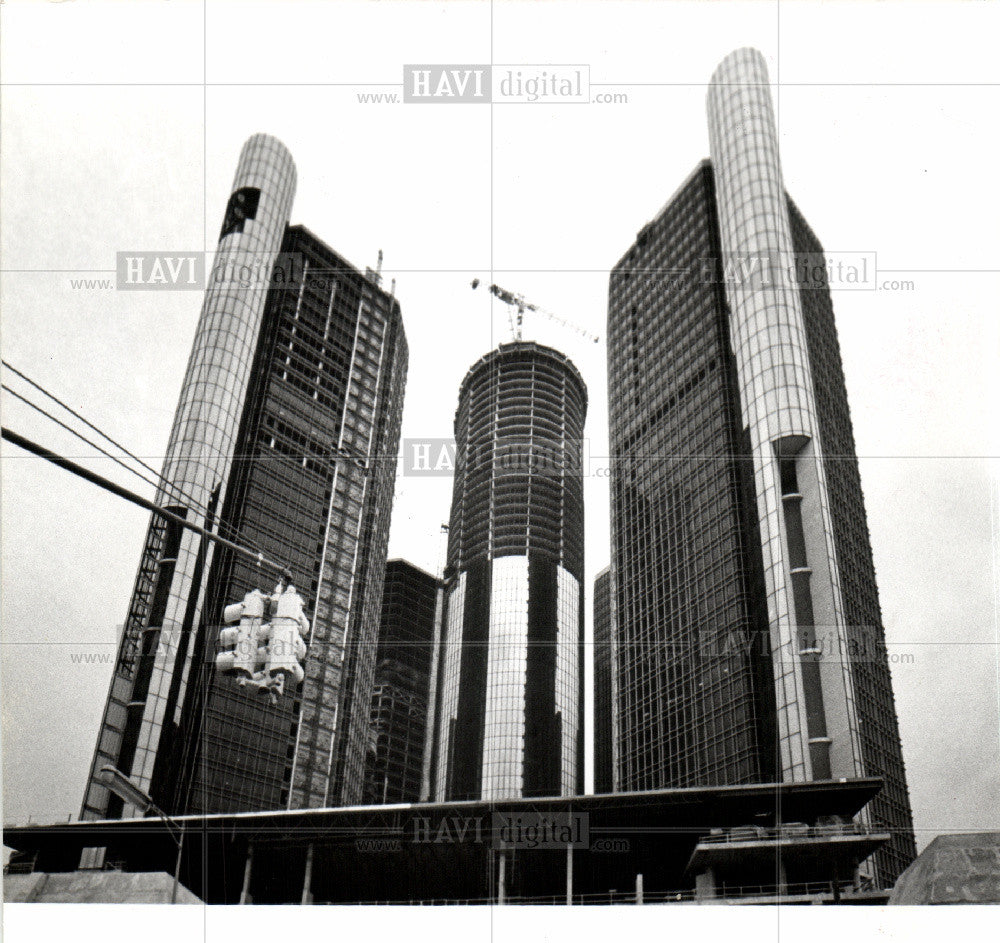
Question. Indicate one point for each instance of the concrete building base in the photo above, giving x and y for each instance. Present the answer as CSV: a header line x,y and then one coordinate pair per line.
x,y
94,887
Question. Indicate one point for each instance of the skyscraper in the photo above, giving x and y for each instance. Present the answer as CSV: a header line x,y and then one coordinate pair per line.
x,y
395,761
509,704
603,685
694,697
750,637
284,439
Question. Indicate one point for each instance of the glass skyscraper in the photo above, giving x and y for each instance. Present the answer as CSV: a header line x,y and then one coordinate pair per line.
x,y
694,697
509,703
749,637
395,761
284,440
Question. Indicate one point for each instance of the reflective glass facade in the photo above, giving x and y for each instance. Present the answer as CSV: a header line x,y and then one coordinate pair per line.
x,y
395,760
303,480
329,377
508,703
816,721
835,711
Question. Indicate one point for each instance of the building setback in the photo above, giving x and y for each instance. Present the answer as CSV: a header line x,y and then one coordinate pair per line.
x,y
750,641
509,704
292,400
603,684
395,760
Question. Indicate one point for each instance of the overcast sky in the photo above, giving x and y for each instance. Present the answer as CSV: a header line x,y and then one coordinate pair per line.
x,y
122,124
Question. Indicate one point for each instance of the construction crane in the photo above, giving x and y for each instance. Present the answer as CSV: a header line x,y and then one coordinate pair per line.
x,y
514,300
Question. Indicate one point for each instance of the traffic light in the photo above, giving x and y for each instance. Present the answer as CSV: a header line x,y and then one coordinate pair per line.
x,y
268,644
241,644
286,649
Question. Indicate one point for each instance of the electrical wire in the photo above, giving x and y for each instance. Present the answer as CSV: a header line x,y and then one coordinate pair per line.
x,y
116,489
83,419
104,452
79,435
160,482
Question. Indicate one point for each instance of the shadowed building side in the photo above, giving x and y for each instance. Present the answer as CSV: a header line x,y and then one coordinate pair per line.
x,y
309,481
395,759
604,702
878,725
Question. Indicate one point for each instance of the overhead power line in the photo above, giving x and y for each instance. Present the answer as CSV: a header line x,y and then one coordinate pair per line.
x,y
79,435
160,480
116,489
41,389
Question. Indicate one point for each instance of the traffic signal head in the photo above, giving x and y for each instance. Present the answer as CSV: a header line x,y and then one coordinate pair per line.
x,y
260,653
241,646
287,649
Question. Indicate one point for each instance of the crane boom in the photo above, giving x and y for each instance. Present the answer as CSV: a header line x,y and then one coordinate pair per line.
x,y
515,300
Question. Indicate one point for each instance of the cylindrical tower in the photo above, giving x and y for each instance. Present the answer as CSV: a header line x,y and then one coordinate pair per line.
x,y
155,652
817,721
510,698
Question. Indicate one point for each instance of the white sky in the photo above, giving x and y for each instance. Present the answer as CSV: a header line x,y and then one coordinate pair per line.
x,y
889,144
